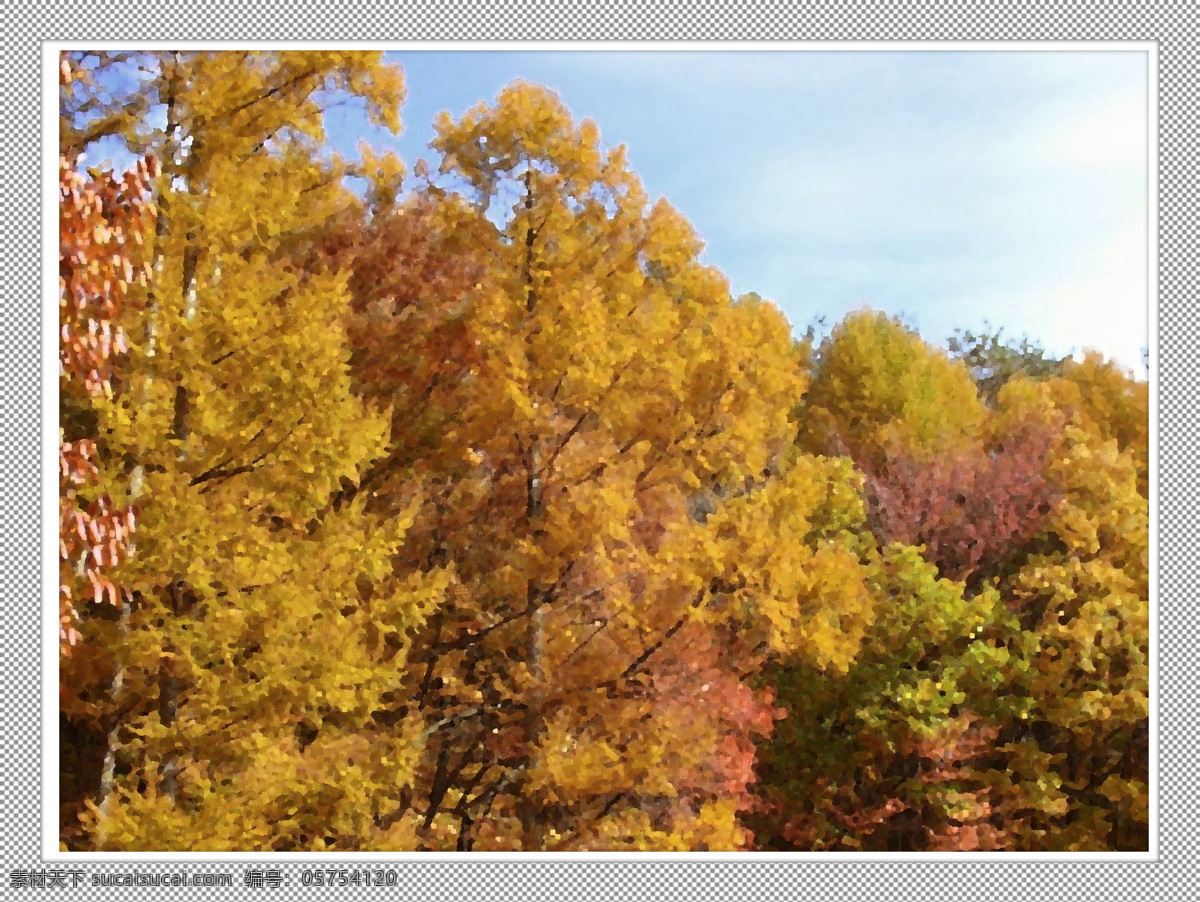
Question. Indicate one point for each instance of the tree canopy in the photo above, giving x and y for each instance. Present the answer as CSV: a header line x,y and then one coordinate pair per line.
x,y
471,511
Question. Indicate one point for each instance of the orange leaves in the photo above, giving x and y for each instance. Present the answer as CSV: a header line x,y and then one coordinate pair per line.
x,y
670,243
412,275
380,85
604,373
806,598
384,173
267,621
101,227
1110,404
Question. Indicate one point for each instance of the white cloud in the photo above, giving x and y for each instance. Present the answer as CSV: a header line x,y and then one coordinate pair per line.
x,y
1110,134
1030,214
1097,299
1105,302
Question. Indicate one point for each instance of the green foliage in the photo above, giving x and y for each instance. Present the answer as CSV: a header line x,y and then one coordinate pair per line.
x,y
856,763
994,359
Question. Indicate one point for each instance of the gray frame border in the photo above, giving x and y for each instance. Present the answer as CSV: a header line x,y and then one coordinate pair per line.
x,y
20,344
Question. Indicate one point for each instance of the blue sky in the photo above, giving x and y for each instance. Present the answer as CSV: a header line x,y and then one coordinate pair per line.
x,y
951,187
948,186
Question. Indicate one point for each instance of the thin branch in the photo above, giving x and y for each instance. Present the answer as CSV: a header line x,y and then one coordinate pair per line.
x,y
438,787
496,788
578,648
542,596
451,720
649,652
427,680
219,471
272,92
548,466
645,655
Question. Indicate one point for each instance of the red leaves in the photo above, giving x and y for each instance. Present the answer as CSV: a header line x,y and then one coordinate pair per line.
x,y
971,507
93,540
694,680
101,225
411,273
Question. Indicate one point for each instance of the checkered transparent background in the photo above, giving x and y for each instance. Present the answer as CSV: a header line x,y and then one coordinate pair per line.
x,y
22,596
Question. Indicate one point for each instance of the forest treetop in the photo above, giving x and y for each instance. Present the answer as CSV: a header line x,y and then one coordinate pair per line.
x,y
477,514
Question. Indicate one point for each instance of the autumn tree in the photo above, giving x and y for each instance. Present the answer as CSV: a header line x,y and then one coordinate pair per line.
x,y
994,359
874,379
476,513
601,433
1111,405
1079,730
411,268
975,718
223,719
942,470
867,761
102,223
